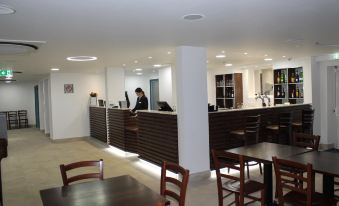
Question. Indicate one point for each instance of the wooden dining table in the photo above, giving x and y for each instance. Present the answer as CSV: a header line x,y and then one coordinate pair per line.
x,y
263,153
325,163
118,191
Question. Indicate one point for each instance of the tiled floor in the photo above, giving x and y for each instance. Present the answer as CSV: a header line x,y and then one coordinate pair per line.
x,y
33,164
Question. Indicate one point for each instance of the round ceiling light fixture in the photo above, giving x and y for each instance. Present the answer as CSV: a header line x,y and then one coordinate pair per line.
x,y
268,59
4,9
228,65
82,58
55,69
220,56
193,17
157,65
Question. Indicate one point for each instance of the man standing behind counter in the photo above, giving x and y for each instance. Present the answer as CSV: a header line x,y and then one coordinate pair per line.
x,y
142,101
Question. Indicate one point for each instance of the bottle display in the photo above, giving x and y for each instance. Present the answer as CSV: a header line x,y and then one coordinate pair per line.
x,y
301,77
282,77
297,93
283,93
278,78
278,92
292,94
292,77
297,77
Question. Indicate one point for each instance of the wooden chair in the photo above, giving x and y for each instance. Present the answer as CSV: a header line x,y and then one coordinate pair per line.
x,y
234,184
283,128
306,140
306,124
300,187
23,119
180,184
249,135
12,120
64,168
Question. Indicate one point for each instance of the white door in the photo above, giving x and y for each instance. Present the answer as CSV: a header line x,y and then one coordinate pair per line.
x,y
332,105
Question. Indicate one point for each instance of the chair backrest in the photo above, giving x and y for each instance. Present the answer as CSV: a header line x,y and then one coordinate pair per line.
x,y
252,129
223,159
306,140
180,184
95,163
285,119
22,113
290,176
307,120
12,115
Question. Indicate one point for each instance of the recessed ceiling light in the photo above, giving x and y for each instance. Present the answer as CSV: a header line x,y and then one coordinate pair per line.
x,y
223,51
169,52
55,69
123,65
150,57
157,65
219,56
4,9
268,59
135,61
138,69
82,58
265,55
192,17
283,56
228,65
139,73
245,53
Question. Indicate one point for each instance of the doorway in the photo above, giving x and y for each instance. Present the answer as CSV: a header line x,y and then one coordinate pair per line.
x,y
154,93
36,98
332,105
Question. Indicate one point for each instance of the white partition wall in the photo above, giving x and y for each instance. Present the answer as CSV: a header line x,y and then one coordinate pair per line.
x,y
191,84
115,85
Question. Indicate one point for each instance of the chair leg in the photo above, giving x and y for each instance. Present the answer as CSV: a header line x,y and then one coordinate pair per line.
x,y
262,194
260,168
237,202
248,170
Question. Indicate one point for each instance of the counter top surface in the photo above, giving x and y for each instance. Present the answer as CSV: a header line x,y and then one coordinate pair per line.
x,y
254,108
157,112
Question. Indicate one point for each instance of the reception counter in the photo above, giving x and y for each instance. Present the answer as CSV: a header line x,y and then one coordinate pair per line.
x,y
97,121
154,134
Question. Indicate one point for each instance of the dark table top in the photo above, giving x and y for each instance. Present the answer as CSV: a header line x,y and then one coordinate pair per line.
x,y
322,162
117,191
264,151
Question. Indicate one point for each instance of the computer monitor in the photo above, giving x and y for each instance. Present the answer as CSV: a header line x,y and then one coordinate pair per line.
x,y
123,104
127,100
163,106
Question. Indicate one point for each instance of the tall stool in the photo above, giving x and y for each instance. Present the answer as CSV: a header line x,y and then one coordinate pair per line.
x,y
23,120
306,124
282,129
249,135
12,119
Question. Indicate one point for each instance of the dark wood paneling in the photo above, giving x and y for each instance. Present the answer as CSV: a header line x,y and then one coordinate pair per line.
x,y
122,130
158,137
98,126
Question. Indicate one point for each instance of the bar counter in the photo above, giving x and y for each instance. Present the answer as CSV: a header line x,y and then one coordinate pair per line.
x,y
97,121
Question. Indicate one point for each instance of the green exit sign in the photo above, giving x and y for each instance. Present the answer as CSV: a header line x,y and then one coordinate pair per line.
x,y
336,56
6,73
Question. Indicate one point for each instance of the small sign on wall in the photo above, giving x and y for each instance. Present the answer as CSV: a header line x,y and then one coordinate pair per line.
x,y
68,88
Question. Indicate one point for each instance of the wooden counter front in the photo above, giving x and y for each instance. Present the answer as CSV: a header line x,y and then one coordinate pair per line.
x,y
222,122
122,130
97,120
158,136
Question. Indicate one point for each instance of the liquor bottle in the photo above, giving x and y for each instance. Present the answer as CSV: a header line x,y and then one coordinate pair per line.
x,y
232,93
292,77
282,77
301,77
297,93
278,92
292,94
283,93
278,77
297,77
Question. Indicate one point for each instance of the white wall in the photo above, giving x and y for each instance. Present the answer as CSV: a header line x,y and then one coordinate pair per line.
x,y
165,85
134,81
46,103
70,112
18,96
41,105
115,85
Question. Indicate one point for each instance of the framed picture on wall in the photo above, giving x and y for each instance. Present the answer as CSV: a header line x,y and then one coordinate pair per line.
x,y
68,88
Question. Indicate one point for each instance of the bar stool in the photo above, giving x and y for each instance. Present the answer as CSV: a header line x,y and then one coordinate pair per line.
x,y
23,120
12,119
306,124
249,135
284,127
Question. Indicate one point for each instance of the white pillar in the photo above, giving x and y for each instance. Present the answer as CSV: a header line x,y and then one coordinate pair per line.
x,y
115,85
191,84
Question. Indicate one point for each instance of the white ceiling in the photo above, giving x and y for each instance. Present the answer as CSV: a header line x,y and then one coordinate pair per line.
x,y
121,31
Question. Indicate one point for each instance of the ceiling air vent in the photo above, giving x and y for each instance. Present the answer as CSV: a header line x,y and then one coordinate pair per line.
x,y
12,47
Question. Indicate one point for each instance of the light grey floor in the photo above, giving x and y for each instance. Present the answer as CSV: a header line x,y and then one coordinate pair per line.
x,y
33,164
